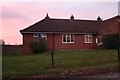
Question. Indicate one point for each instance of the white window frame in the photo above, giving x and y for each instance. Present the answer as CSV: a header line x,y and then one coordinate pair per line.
x,y
87,38
66,37
36,36
44,36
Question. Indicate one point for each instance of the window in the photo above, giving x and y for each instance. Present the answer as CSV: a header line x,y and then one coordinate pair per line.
x,y
44,36
88,38
37,36
67,38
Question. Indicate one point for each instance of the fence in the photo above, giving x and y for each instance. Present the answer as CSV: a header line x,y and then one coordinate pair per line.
x,y
11,49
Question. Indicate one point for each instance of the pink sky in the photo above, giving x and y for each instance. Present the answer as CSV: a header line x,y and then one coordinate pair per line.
x,y
17,16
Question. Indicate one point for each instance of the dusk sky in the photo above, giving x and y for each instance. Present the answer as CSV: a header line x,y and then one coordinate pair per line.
x,y
19,15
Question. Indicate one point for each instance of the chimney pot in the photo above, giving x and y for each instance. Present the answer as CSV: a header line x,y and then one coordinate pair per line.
x,y
72,17
99,19
47,17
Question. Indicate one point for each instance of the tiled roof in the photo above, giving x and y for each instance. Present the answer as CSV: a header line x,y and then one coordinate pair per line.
x,y
63,25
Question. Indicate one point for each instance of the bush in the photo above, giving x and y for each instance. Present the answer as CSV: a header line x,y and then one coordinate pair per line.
x,y
38,46
110,41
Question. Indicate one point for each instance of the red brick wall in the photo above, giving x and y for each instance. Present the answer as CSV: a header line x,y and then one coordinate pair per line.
x,y
50,41
27,38
77,45
109,26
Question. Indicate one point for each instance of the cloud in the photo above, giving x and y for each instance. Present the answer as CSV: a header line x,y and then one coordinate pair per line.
x,y
7,13
59,0
119,7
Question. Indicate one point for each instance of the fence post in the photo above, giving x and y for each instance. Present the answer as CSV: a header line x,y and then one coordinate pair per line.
x,y
53,49
118,45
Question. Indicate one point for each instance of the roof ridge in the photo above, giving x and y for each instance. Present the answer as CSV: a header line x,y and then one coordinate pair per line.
x,y
70,19
111,18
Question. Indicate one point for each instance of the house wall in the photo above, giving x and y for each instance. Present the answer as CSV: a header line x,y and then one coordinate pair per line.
x,y
109,26
77,45
27,38
58,45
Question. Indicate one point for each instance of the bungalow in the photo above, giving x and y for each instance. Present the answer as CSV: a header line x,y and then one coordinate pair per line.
x,y
67,34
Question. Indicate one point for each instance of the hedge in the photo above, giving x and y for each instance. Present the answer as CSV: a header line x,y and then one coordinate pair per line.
x,y
110,41
38,46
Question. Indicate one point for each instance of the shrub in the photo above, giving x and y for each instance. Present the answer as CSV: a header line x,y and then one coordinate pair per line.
x,y
38,46
110,41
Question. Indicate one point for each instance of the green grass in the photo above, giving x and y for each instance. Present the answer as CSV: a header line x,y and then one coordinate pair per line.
x,y
35,64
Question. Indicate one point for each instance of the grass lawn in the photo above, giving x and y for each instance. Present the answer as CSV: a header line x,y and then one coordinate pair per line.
x,y
65,61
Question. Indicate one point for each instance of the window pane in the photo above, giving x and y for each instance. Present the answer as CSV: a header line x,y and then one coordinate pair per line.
x,y
72,38
64,38
35,35
87,39
44,36
68,39
68,35
90,39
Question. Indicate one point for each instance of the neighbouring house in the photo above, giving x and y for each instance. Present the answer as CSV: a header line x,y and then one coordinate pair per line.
x,y
109,26
68,34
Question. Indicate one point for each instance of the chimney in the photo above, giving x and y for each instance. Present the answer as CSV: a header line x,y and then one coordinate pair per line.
x,y
99,19
72,17
47,17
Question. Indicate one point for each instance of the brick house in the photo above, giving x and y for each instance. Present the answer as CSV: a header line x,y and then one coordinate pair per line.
x,y
108,26
68,34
